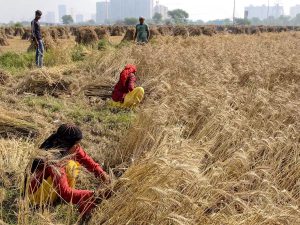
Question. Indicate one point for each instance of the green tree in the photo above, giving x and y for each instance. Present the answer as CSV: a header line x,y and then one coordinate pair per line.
x,y
240,21
91,22
283,20
179,15
256,21
67,19
131,21
18,24
296,20
157,17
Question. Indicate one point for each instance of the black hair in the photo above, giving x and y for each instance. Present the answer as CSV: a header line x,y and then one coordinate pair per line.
x,y
38,13
65,137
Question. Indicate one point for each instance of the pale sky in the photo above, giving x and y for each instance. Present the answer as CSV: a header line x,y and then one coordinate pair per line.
x,y
198,9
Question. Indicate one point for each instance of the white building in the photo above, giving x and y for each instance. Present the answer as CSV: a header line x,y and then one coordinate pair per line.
x,y
121,9
263,12
102,12
161,9
294,11
62,11
49,17
79,18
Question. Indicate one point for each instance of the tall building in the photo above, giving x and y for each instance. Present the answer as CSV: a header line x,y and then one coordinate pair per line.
x,y
161,9
79,18
121,9
50,17
294,11
262,12
102,12
62,11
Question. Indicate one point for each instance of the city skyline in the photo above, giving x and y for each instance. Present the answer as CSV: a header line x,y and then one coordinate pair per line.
x,y
214,9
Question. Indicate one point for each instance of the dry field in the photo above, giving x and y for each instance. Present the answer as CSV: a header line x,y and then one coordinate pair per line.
x,y
216,141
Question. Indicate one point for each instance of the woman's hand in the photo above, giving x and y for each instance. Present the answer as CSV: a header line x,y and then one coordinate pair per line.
x,y
105,178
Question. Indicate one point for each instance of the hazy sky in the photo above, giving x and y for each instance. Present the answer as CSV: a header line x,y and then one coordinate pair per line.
x,y
198,9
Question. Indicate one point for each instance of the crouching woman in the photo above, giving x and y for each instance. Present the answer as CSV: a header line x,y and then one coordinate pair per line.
x,y
125,93
51,182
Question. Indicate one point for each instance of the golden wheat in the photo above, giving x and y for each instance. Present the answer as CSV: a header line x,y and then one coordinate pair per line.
x,y
216,140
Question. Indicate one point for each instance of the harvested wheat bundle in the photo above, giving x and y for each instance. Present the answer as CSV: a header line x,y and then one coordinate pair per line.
x,y
117,31
47,40
46,82
19,31
195,30
281,29
9,31
221,28
4,77
13,125
255,30
270,29
236,29
102,33
129,35
27,34
102,91
165,30
86,36
180,31
247,30
209,30
53,33
154,32
262,29
3,40
74,30
63,33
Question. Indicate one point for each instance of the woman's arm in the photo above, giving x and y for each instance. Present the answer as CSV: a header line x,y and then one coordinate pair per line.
x,y
131,82
85,199
85,160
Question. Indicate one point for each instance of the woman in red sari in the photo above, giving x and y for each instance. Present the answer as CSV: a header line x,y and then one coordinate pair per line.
x,y
125,93
50,182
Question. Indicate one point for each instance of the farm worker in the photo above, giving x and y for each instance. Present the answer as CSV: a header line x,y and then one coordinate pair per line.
x,y
37,38
125,93
142,32
53,181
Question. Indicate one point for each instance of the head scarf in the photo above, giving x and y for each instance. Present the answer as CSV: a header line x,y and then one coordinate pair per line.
x,y
129,69
65,137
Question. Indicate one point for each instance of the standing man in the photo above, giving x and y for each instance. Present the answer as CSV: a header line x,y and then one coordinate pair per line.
x,y
142,33
37,38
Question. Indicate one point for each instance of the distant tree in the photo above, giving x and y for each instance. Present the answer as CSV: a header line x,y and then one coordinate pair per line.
x,y
157,18
18,24
91,22
283,20
67,19
241,21
168,22
255,21
269,21
131,21
199,22
220,22
179,15
296,21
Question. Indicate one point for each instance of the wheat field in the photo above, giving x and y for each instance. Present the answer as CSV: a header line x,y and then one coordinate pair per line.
x,y
216,140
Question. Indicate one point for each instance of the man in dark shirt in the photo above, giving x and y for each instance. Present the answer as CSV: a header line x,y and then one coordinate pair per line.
x,y
37,38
